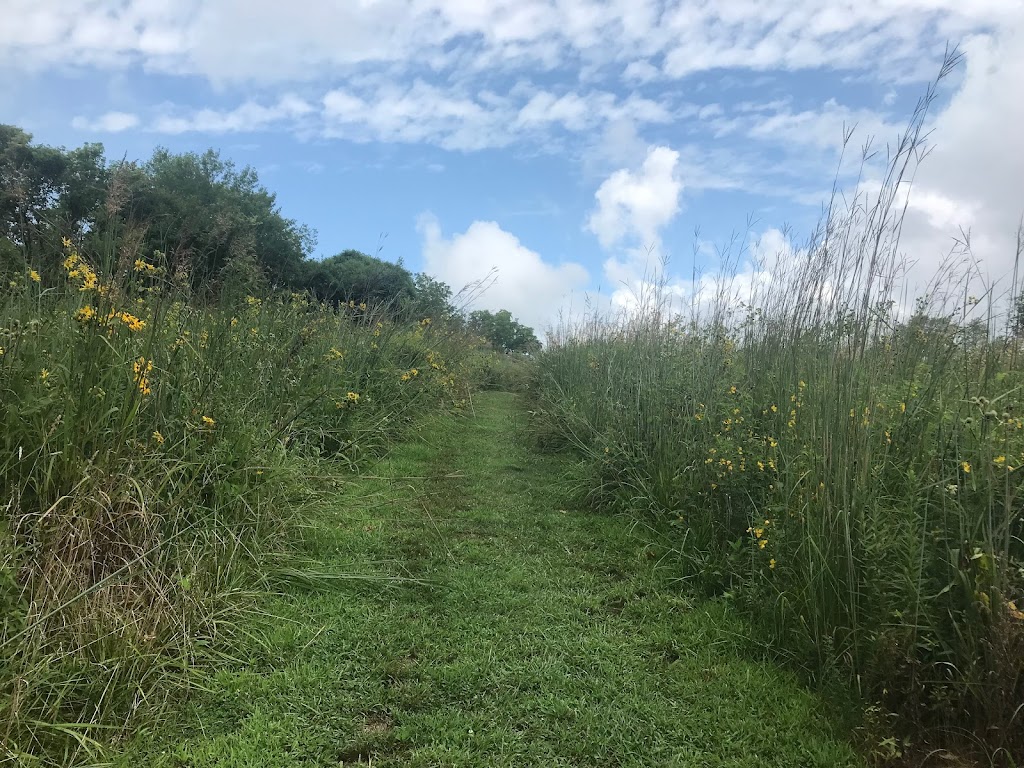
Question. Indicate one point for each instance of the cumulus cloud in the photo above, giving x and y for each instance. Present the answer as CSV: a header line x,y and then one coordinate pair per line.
x,y
972,180
637,204
531,288
111,122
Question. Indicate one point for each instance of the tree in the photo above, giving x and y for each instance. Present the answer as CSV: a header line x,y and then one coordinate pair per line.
x,y
47,193
355,276
503,331
203,212
432,298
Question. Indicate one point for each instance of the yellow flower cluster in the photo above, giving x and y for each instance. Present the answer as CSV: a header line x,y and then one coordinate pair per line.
x,y
134,323
143,368
86,314
79,270
760,536
412,373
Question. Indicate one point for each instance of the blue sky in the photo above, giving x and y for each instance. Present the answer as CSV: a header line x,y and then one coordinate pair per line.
x,y
569,144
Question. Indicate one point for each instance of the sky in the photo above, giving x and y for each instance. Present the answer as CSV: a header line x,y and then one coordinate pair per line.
x,y
569,145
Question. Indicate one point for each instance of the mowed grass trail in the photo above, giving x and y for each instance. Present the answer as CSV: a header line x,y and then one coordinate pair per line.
x,y
530,634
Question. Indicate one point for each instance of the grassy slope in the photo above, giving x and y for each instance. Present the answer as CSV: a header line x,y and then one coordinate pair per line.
x,y
544,636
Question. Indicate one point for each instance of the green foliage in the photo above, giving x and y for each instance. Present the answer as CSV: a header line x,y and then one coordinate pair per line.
x,y
153,448
490,370
203,212
850,476
503,331
47,193
205,216
351,276
432,299
458,573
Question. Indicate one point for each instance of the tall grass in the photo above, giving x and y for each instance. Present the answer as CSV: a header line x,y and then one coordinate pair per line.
x,y
846,467
152,451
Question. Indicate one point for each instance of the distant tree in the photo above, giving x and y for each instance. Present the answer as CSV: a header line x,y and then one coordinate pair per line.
x,y
200,210
203,212
47,193
503,331
431,298
355,276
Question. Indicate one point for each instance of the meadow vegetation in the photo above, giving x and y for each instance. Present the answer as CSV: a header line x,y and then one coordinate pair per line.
x,y
843,467
166,416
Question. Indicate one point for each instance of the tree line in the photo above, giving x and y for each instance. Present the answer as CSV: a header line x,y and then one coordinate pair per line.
x,y
208,221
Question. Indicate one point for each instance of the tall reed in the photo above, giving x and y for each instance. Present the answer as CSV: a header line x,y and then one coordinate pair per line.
x,y
846,466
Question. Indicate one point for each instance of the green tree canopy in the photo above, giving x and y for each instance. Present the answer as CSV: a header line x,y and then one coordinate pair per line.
x,y
355,276
433,299
203,212
45,192
503,331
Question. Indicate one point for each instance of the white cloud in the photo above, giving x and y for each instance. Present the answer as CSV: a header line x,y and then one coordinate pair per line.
x,y
249,116
972,179
418,113
262,41
531,288
636,205
111,122
641,71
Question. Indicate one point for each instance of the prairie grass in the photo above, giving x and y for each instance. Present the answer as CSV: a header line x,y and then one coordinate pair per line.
x,y
844,466
153,450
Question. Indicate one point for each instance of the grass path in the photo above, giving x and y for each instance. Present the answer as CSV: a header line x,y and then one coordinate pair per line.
x,y
533,635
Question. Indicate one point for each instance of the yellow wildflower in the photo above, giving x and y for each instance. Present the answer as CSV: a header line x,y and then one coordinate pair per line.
x,y
208,423
134,323
352,397
157,437
771,564
966,465
999,461
86,314
33,276
762,543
